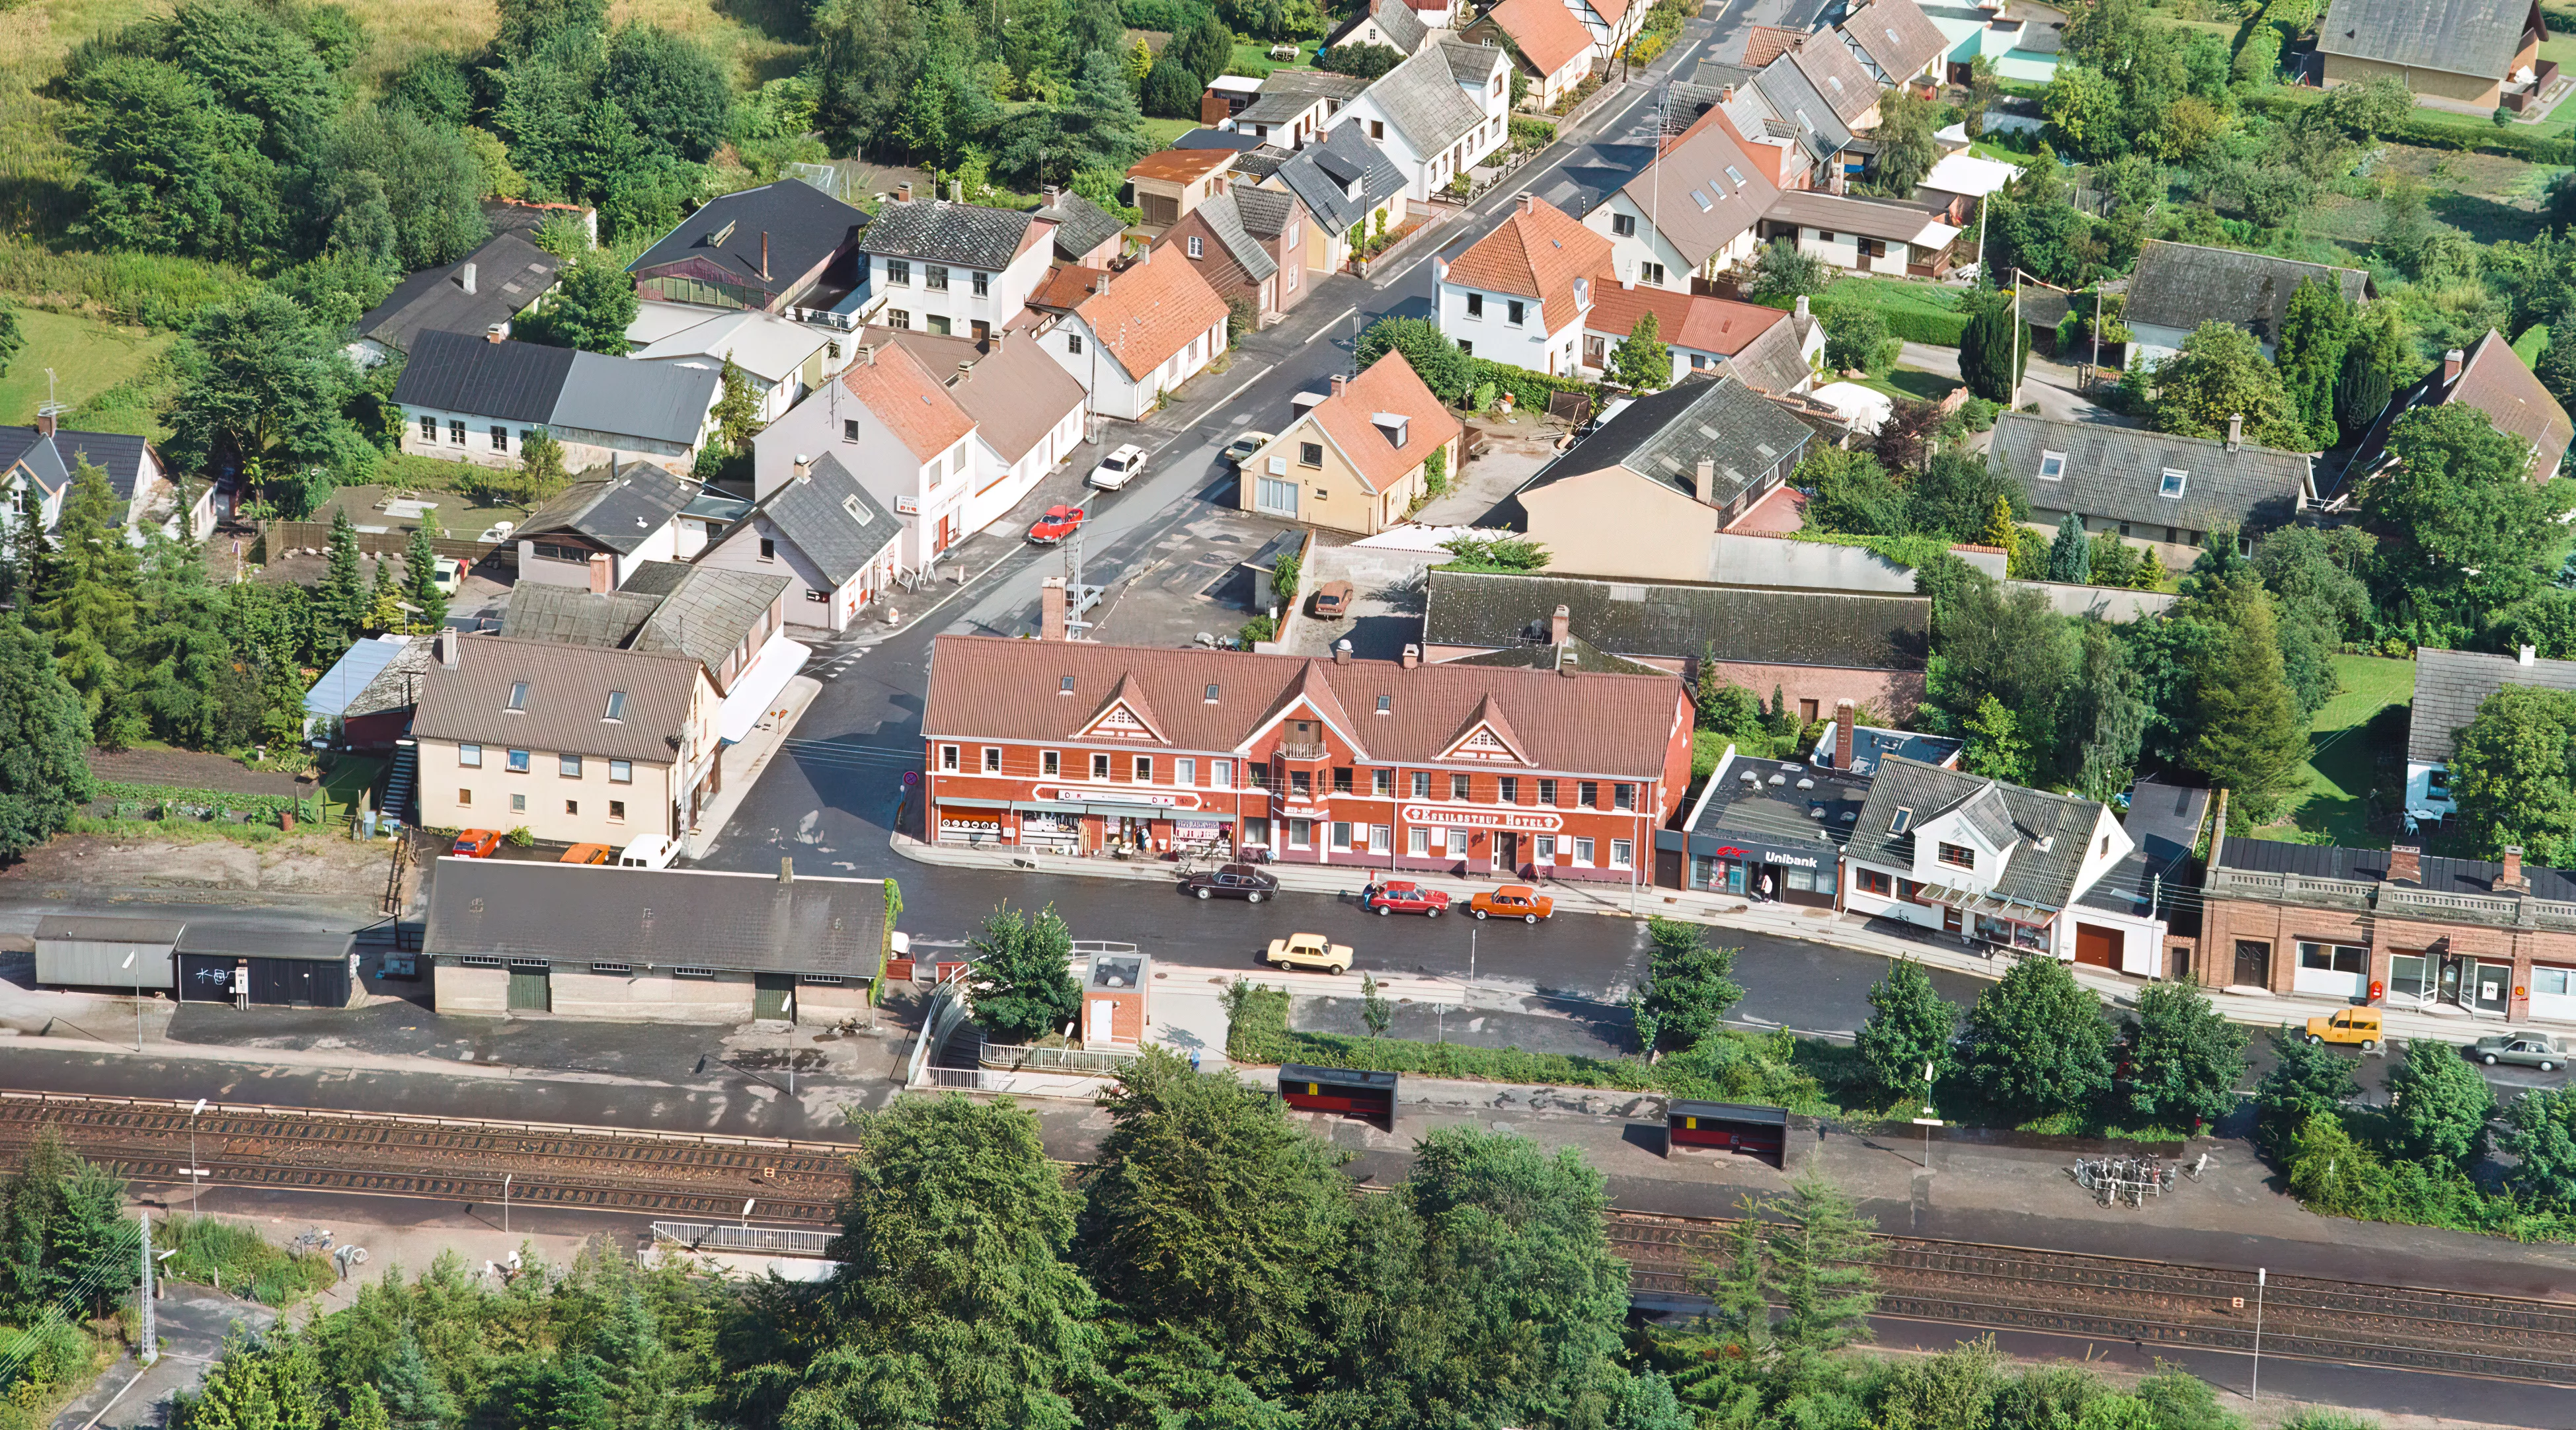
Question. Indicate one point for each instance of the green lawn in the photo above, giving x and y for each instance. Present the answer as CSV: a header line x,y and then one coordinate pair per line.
x,y
2342,765
1252,58
1920,312
1164,131
2533,342
88,357
1913,383
348,783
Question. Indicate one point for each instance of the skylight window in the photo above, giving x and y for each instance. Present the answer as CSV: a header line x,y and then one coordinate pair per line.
x,y
2052,466
1385,703
616,706
1211,695
1702,200
1067,687
1903,820
518,695
1735,176
2172,484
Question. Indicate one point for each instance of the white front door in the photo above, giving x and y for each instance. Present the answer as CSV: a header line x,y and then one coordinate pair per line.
x,y
1099,1009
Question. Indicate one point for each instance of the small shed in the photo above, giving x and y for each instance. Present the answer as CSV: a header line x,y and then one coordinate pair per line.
x,y
266,966
79,951
1114,992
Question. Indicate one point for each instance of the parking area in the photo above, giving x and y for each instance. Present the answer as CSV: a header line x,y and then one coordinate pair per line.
x,y
1193,583
1386,601
1515,448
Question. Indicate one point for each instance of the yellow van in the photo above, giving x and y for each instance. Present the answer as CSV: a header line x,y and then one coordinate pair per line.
x,y
2356,1026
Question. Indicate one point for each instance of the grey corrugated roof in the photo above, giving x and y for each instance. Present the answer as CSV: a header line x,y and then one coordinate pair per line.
x,y
568,688
462,372
1421,98
398,684
543,611
665,401
2117,473
264,941
1341,179
86,928
2183,285
814,512
1750,624
509,274
2045,877
656,918
1080,225
937,231
1664,436
705,612
2450,685
1226,222
618,506
2467,37
802,224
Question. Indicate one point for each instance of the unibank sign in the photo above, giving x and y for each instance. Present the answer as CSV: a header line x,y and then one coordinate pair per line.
x,y
1458,817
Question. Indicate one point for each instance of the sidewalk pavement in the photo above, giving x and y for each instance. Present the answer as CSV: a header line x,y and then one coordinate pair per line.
x,y
743,762
2253,1006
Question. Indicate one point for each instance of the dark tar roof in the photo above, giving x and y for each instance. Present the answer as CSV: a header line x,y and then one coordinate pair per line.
x,y
2164,822
1845,630
86,928
1783,802
538,385
52,460
804,226
656,918
509,274
2369,866
1664,435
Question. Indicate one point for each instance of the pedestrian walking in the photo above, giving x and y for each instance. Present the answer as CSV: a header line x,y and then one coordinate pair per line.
x,y
1194,1060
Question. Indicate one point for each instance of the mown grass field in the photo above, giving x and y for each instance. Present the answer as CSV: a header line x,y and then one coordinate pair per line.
x,y
88,357
2342,762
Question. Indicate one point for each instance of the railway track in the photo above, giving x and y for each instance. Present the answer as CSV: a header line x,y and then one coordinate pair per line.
x,y
446,1159
673,1174
2158,1304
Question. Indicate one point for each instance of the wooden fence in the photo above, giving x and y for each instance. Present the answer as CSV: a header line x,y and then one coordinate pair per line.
x,y
279,538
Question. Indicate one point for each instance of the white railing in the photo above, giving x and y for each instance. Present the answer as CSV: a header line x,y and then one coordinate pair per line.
x,y
1019,1084
721,1236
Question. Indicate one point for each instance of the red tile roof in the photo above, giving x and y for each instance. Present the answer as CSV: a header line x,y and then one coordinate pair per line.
x,y
1349,416
1539,252
907,397
1065,286
1548,34
997,688
1769,42
1710,325
1181,166
1151,311
2495,382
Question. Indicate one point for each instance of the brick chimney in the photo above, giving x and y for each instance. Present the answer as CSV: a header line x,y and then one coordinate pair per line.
x,y
2235,430
1051,606
804,466
1054,195
1529,203
1568,664
764,255
498,332
1845,740
1342,651
1707,478
2405,864
2217,828
1412,656
2525,655
1802,306
903,192
465,276
1339,382
957,191
600,584
44,424
2510,876
2452,362
786,869
446,647
1559,626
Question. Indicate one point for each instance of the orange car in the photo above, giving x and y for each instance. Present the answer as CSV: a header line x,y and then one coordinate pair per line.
x,y
588,854
1511,901
476,843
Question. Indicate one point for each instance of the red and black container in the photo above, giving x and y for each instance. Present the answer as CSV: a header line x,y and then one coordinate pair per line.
x,y
1728,1127
1368,1096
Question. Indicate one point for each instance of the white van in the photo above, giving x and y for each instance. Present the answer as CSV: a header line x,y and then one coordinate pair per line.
x,y
650,852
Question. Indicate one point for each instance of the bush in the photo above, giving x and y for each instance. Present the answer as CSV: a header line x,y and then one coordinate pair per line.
x,y
157,291
1529,389
1530,133
234,1256
1856,339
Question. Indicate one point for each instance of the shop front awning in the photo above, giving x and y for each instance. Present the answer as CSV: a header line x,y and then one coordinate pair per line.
x,y
1990,905
947,803
758,686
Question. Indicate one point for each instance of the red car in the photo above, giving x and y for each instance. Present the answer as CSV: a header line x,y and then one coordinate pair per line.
x,y
1403,896
476,844
1058,523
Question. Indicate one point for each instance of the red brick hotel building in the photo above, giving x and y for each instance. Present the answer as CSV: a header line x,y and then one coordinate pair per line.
x,y
1070,747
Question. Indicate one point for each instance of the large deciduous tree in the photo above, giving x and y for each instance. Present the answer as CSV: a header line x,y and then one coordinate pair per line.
x,y
1021,985
2185,1057
2469,531
2513,776
2037,1044
2442,1103
1908,1030
590,310
2221,373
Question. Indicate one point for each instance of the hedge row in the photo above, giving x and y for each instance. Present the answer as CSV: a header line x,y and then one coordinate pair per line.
x,y
167,796
2512,141
1529,389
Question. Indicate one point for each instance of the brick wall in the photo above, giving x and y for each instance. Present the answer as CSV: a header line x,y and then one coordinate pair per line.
x,y
2226,922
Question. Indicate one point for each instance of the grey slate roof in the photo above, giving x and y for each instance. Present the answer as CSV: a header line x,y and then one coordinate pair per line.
x,y
2450,685
937,231
2469,37
804,225
704,612
1718,74
1469,62
813,512
1421,98
2032,875
1080,225
1773,361
1225,220
1818,130
2118,473
1264,213
1587,658
461,372
1664,435
1395,19
2183,285
53,460
1753,624
543,611
1342,179
509,274
557,387
617,506
1259,163
2164,822
568,688
656,918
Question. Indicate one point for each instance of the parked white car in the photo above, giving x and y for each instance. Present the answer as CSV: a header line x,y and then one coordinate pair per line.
x,y
650,852
1118,468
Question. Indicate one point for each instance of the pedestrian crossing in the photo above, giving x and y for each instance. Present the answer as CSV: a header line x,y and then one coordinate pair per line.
x,y
829,665
855,759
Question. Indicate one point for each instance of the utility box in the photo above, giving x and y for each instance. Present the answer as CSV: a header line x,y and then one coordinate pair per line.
x,y
1368,1096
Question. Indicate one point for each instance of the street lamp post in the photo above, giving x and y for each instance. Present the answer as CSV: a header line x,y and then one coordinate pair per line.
x,y
195,1171
505,1202
1930,1118
2255,1390
138,1000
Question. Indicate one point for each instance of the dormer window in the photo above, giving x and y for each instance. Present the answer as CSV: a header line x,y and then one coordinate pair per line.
x,y
518,697
2052,466
2172,484
1958,855
616,706
1903,820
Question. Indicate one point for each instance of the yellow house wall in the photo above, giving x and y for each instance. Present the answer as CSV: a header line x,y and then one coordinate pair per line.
x,y
2464,89
1613,524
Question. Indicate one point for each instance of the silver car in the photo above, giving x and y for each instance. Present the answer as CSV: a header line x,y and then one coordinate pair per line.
x,y
2531,1050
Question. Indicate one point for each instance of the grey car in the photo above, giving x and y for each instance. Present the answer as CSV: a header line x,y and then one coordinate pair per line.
x,y
2531,1050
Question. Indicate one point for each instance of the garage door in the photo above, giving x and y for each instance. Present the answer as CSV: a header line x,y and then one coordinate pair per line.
x,y
304,982
206,977
2097,946
773,996
529,991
